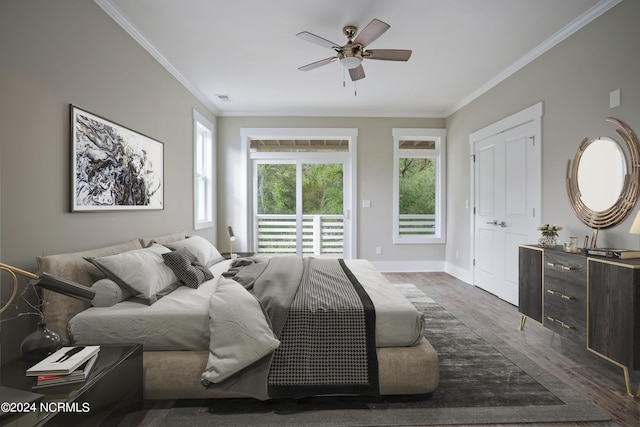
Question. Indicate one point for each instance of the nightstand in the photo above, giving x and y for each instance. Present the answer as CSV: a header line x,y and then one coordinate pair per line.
x,y
112,395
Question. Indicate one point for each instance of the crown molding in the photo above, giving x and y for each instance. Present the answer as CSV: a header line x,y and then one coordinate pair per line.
x,y
114,12
578,23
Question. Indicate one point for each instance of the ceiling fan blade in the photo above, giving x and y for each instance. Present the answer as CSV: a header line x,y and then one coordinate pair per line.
x,y
318,63
388,54
305,35
356,73
371,32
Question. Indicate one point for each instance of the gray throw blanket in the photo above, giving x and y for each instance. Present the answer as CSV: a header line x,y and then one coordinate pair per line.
x,y
325,322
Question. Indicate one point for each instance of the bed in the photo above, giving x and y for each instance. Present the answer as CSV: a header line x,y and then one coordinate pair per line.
x,y
191,349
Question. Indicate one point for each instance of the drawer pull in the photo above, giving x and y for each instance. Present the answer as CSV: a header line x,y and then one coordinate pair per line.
x,y
559,294
562,267
560,322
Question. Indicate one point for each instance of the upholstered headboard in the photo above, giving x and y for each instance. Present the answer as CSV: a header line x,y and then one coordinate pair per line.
x,y
58,309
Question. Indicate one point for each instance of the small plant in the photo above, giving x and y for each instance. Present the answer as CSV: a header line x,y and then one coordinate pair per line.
x,y
549,230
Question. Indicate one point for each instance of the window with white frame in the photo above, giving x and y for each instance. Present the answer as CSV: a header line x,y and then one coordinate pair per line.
x,y
204,180
419,186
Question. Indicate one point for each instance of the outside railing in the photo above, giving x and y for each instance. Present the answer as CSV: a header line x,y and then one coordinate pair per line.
x,y
321,234
417,225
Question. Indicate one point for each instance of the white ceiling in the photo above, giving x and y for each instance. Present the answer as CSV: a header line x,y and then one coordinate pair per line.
x,y
248,50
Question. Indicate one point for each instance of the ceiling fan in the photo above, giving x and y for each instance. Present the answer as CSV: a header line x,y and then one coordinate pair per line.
x,y
353,53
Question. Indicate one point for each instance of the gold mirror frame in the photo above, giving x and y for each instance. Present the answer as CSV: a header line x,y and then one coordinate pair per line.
x,y
625,203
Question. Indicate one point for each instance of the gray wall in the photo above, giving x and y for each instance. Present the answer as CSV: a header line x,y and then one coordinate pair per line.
x,y
68,51
573,80
53,53
374,178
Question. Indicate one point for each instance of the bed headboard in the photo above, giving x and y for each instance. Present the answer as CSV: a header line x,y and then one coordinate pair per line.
x,y
58,309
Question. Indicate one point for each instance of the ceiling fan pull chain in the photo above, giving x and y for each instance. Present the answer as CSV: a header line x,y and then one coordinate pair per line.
x,y
355,88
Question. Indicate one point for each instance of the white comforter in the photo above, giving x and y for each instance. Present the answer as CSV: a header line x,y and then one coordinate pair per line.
x,y
180,320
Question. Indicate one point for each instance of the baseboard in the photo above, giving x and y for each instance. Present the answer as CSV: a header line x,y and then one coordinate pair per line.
x,y
424,266
458,272
408,266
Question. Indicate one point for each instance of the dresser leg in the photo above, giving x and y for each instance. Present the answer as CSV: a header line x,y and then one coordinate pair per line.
x,y
627,382
523,320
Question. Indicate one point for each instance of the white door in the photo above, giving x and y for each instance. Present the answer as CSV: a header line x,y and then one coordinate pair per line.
x,y
506,180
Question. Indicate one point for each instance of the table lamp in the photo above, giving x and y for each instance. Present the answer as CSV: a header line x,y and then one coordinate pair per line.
x,y
231,239
43,342
635,227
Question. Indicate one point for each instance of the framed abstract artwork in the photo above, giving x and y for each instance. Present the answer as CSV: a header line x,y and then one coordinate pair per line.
x,y
113,168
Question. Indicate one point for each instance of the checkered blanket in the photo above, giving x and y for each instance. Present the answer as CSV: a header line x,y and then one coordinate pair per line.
x,y
328,338
325,322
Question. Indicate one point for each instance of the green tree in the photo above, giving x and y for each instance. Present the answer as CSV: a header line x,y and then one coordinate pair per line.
x,y
322,186
277,189
417,186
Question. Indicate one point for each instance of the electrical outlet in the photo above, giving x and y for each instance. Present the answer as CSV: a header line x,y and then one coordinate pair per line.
x,y
378,250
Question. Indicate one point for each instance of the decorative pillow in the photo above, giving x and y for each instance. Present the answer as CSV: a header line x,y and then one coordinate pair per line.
x,y
141,271
108,293
164,239
205,252
187,268
240,332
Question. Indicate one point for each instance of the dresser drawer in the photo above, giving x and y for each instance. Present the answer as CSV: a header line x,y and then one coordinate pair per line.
x,y
565,308
567,267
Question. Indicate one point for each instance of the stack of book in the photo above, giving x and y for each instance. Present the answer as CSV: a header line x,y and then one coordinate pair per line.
x,y
66,366
614,253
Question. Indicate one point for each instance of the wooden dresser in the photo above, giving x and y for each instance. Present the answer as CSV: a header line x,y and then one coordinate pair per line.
x,y
590,300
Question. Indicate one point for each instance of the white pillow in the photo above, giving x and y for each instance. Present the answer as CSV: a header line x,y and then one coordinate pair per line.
x,y
240,332
108,293
203,250
141,271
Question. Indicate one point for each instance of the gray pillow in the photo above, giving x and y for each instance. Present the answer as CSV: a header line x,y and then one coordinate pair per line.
x,y
108,293
187,268
140,271
205,252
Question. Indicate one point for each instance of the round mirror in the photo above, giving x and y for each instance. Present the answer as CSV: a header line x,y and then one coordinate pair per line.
x,y
601,173
602,189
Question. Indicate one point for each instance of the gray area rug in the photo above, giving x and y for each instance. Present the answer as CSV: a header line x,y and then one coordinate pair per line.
x,y
482,381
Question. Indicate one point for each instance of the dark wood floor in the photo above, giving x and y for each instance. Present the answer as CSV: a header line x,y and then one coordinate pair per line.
x,y
591,376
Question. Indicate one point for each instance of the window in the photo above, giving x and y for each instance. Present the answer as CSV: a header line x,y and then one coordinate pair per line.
x,y
204,181
300,191
419,197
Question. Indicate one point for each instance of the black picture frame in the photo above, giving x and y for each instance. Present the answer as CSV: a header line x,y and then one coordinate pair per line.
x,y
113,168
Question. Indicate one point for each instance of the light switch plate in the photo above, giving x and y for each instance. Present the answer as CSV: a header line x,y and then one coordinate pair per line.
x,y
614,98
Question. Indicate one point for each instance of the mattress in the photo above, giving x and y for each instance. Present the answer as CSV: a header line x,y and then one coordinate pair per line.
x,y
180,320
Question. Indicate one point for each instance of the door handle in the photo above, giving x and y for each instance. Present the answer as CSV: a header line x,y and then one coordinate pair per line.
x,y
494,222
502,224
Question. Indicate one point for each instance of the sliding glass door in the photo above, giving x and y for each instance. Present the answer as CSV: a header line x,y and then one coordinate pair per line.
x,y
300,206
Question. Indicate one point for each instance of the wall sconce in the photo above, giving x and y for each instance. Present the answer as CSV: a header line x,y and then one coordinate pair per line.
x,y
43,342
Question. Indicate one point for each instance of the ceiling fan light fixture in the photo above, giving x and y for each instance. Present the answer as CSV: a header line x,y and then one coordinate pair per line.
x,y
350,61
